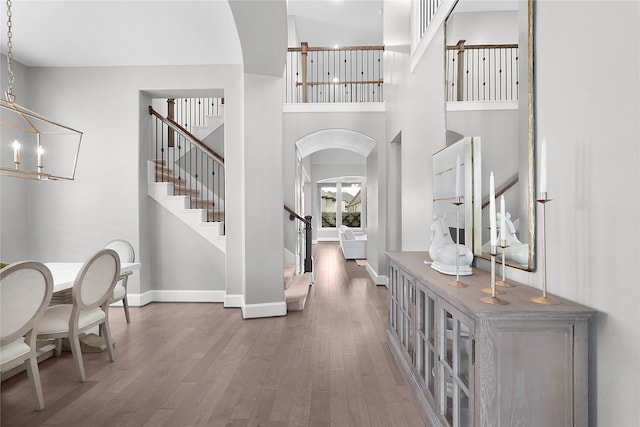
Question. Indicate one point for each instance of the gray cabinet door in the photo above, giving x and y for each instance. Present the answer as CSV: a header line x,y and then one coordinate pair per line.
x,y
456,377
526,372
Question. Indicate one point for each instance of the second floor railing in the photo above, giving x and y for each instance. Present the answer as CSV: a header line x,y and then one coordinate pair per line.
x,y
334,75
482,72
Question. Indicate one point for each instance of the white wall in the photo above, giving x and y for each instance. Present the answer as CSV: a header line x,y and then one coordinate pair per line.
x,y
14,201
67,221
497,27
182,259
263,194
416,108
588,108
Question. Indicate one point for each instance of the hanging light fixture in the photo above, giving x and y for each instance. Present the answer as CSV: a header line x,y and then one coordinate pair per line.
x,y
40,147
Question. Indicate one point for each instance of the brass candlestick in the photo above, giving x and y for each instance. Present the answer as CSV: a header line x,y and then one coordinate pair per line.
x,y
457,201
544,299
503,283
493,299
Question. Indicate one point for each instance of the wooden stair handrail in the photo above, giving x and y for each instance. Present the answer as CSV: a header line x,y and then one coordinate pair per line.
x,y
355,82
312,49
182,131
481,46
293,214
502,190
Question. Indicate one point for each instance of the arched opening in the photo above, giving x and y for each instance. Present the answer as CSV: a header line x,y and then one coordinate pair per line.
x,y
333,182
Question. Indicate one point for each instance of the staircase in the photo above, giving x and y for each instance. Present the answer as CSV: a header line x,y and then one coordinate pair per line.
x,y
179,200
296,288
187,178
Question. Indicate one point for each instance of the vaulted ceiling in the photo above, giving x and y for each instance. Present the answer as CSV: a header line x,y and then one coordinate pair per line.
x,y
180,32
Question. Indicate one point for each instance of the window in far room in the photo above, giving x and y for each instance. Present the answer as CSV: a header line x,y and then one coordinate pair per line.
x,y
342,203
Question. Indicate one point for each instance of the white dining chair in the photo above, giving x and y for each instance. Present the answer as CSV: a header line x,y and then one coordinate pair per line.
x,y
90,295
25,292
127,254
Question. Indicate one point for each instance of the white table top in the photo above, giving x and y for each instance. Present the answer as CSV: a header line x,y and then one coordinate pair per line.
x,y
64,273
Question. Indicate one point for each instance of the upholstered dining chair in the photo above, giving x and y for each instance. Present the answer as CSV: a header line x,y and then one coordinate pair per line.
x,y
90,295
25,292
127,254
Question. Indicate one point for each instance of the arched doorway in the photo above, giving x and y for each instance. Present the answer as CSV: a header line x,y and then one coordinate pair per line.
x,y
341,154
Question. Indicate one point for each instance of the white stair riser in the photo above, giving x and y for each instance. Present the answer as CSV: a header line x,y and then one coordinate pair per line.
x,y
179,206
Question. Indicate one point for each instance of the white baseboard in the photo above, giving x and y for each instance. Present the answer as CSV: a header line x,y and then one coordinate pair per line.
x,y
139,300
188,296
378,280
251,311
233,301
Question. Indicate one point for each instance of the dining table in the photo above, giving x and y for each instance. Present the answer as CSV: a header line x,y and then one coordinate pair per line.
x,y
65,273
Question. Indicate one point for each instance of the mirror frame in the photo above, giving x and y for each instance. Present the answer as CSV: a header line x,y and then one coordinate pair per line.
x,y
530,141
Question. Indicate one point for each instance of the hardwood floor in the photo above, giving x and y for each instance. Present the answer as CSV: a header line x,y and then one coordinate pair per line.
x,y
183,364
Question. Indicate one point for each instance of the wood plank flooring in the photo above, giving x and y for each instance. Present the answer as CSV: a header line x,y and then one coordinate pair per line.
x,y
186,364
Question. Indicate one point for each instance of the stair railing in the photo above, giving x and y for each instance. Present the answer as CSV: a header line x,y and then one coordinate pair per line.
x,y
196,170
308,239
191,112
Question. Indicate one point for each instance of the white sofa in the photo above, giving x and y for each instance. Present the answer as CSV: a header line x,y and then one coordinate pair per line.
x,y
353,247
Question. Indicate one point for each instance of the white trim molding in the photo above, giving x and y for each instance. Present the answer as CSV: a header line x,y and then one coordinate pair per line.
x,y
140,300
378,280
252,311
233,301
481,105
334,107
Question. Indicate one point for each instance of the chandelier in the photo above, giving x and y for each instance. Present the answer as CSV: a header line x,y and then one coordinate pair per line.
x,y
33,146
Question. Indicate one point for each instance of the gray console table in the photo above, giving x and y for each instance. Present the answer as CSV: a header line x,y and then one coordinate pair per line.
x,y
474,364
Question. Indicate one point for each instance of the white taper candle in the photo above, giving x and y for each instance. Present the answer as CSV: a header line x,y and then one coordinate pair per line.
x,y
492,211
503,232
458,177
40,153
543,166
16,152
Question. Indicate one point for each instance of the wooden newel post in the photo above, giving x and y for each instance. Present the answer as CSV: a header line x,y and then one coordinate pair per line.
x,y
171,102
459,92
304,46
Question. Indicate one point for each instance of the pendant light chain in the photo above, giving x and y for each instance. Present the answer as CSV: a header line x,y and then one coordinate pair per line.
x,y
9,93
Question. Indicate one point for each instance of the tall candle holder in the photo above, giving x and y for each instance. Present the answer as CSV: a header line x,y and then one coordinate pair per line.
x,y
544,299
493,299
457,201
503,283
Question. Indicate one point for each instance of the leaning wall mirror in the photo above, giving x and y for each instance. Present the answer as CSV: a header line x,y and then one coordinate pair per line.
x,y
489,94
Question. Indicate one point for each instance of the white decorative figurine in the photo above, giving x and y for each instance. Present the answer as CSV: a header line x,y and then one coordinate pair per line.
x,y
443,251
516,251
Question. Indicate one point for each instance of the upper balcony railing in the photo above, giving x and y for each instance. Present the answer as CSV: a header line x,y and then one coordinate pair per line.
x,y
426,11
482,72
334,75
